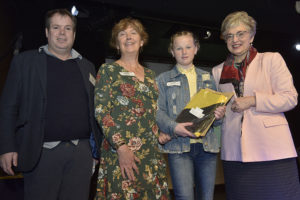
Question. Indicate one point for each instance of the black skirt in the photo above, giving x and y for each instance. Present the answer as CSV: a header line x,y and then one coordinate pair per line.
x,y
268,180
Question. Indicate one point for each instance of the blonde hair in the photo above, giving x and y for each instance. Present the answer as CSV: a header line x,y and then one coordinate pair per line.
x,y
124,24
236,18
183,33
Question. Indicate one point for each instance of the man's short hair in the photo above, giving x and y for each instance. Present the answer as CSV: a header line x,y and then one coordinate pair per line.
x,y
62,12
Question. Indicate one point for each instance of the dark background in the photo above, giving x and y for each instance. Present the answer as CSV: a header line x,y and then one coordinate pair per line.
x,y
278,29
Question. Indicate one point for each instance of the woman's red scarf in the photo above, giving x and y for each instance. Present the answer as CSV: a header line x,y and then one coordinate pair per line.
x,y
232,74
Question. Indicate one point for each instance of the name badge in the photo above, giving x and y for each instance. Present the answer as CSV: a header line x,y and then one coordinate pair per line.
x,y
205,77
127,73
92,79
175,83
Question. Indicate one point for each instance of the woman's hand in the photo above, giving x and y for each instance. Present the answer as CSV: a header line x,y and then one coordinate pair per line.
x,y
163,138
127,161
220,112
182,131
243,103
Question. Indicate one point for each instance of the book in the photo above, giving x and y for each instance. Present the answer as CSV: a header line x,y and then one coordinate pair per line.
x,y
3,175
200,110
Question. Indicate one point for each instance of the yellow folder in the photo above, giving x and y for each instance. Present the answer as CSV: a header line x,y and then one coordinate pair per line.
x,y
200,110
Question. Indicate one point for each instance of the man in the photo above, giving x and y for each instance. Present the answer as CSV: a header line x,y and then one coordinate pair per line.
x,y
47,117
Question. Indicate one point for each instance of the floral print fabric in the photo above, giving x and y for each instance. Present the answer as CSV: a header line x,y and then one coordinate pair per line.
x,y
125,108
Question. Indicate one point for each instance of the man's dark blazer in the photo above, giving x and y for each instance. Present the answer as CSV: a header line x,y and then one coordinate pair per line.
x,y
23,105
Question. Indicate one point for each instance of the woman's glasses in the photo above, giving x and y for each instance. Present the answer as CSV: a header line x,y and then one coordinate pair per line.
x,y
239,35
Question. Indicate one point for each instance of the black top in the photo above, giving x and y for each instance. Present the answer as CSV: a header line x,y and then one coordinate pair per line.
x,y
67,113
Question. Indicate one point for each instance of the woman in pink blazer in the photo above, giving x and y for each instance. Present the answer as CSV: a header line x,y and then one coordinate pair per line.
x,y
258,153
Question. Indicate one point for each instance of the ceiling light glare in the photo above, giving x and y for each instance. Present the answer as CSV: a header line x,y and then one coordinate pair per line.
x,y
207,35
297,46
74,11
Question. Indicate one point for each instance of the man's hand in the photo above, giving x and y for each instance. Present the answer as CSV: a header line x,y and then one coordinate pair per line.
x,y
8,160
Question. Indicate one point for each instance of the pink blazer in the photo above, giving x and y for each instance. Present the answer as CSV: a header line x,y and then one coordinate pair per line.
x,y
264,133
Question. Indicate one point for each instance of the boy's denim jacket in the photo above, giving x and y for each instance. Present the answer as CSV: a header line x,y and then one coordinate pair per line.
x,y
174,94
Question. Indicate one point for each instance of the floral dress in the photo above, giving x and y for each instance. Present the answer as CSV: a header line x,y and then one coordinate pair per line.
x,y
125,108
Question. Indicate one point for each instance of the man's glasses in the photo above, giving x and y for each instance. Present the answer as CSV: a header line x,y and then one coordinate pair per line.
x,y
239,35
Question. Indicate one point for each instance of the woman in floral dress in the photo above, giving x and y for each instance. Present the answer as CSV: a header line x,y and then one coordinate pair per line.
x,y
125,106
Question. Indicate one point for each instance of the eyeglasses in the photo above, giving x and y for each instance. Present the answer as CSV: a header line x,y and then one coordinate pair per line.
x,y
240,35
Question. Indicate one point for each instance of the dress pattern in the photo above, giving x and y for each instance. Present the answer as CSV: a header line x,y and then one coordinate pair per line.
x,y
125,108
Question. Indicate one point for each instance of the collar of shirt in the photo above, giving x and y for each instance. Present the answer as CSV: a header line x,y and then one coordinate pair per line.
x,y
74,53
188,71
191,76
